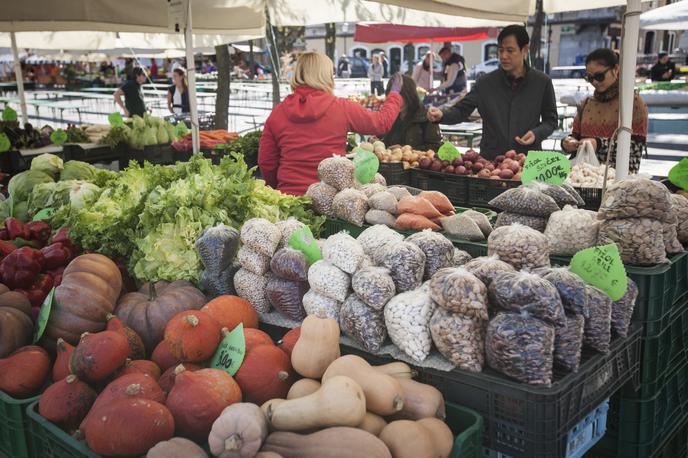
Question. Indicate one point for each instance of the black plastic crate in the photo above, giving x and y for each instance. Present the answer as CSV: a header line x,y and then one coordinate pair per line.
x,y
395,174
455,187
101,153
482,190
155,154
592,197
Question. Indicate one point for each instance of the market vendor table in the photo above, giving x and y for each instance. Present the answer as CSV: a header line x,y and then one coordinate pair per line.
x,y
94,153
13,162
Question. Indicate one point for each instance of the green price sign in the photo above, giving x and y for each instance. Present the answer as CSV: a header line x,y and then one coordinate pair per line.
x,y
9,114
5,144
46,213
601,266
678,174
366,165
230,354
44,315
546,166
58,137
115,119
180,129
448,152
303,240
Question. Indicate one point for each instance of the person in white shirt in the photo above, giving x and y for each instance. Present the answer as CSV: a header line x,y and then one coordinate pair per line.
x,y
375,73
422,72
178,93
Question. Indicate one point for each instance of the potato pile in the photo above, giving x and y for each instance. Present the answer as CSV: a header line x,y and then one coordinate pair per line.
x,y
397,153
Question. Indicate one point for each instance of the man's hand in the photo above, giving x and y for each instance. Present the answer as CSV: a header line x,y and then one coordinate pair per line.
x,y
126,113
527,139
570,144
435,114
592,141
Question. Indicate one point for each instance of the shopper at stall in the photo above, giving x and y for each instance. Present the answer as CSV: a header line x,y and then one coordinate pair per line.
x,y
422,72
517,103
154,69
664,69
412,126
133,96
598,116
178,93
375,73
312,124
343,67
454,71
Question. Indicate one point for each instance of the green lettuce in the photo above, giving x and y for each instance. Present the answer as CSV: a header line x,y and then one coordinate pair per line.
x,y
49,164
78,170
21,185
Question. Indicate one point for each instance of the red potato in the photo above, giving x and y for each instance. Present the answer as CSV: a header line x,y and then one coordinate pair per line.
x,y
506,174
477,167
449,169
461,170
499,159
511,154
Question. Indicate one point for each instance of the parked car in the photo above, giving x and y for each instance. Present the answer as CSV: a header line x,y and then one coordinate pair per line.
x,y
572,71
479,70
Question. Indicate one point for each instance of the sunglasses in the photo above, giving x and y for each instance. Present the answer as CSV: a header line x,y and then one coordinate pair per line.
x,y
599,77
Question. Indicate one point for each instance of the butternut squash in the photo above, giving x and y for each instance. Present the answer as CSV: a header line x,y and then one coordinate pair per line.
x,y
302,388
339,402
397,369
420,401
177,447
337,442
268,455
316,347
270,406
372,423
239,431
408,439
383,393
442,436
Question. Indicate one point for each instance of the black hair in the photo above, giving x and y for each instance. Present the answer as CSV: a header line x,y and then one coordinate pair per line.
x,y
445,49
409,93
517,31
138,71
604,56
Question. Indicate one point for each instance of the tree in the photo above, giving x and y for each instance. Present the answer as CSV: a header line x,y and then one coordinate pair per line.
x,y
224,69
536,37
409,54
330,40
274,60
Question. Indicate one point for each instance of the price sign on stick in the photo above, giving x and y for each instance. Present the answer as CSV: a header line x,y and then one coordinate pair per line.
x,y
546,166
5,144
59,137
448,152
601,266
366,165
9,114
678,175
115,119
231,351
44,214
44,315
303,240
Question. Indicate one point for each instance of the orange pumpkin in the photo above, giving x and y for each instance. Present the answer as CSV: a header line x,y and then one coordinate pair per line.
x,y
16,326
192,336
140,366
229,311
198,398
66,402
64,353
136,348
163,358
167,379
265,374
99,355
23,373
289,340
255,338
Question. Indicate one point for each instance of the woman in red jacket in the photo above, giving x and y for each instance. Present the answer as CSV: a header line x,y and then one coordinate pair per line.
x,y
312,124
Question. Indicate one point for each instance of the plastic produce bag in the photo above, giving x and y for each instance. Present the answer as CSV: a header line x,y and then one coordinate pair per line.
x,y
252,288
585,155
362,323
328,280
380,217
315,303
337,171
570,189
523,291
525,200
374,286
460,339
322,195
380,179
462,227
571,230
411,222
287,297
373,188
636,197
438,200
399,192
253,261
350,205
287,228
558,193
486,268
521,347
375,237
538,223
461,257
622,310
290,264
438,250
343,251
571,288
640,240
407,317
481,220
457,290
384,201
261,235
417,205
670,235
568,343
217,247
680,205
220,283
520,246
406,264
598,332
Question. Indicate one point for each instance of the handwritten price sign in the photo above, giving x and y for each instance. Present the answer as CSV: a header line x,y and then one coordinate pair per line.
x,y
601,266
546,166
230,354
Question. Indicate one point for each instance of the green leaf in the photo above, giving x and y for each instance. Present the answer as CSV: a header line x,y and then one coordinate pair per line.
x,y
303,240
115,119
448,152
5,143
678,175
44,315
231,351
44,214
546,166
601,266
58,137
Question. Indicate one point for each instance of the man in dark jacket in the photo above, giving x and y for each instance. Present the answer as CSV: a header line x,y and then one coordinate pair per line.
x,y
664,69
517,103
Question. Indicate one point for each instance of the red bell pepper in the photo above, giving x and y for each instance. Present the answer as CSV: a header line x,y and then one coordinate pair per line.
x,y
16,228
62,236
39,290
40,230
56,255
57,275
6,247
4,235
20,268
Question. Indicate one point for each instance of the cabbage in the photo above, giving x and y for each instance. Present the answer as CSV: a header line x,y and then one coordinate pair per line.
x,y
162,136
81,193
136,139
20,211
149,137
77,170
170,131
138,122
48,163
21,184
42,196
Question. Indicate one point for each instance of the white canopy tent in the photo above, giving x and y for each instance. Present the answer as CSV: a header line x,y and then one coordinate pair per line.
x,y
670,17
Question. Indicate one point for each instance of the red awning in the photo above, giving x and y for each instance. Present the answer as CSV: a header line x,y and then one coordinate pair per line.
x,y
385,33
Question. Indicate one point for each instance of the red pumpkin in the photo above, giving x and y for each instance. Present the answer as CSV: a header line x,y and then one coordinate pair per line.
x,y
229,311
136,348
130,386
198,398
255,338
289,340
66,402
167,379
140,366
163,358
23,373
192,336
61,366
99,355
128,427
265,374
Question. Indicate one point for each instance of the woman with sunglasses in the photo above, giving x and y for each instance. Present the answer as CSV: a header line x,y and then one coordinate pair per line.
x,y
598,116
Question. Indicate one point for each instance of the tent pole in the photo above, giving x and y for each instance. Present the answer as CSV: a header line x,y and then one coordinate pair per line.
x,y
629,52
191,75
20,79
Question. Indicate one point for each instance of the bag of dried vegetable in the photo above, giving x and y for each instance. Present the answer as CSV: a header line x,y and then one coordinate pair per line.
x,y
329,280
406,264
538,223
520,246
461,257
460,339
343,251
622,310
680,206
375,237
363,323
568,343
571,288
486,268
571,230
439,251
322,196
459,291
252,288
290,264
337,171
407,318
253,261
287,297
525,200
640,240
287,228
374,286
261,236
217,247
315,303
635,197
350,205
598,332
